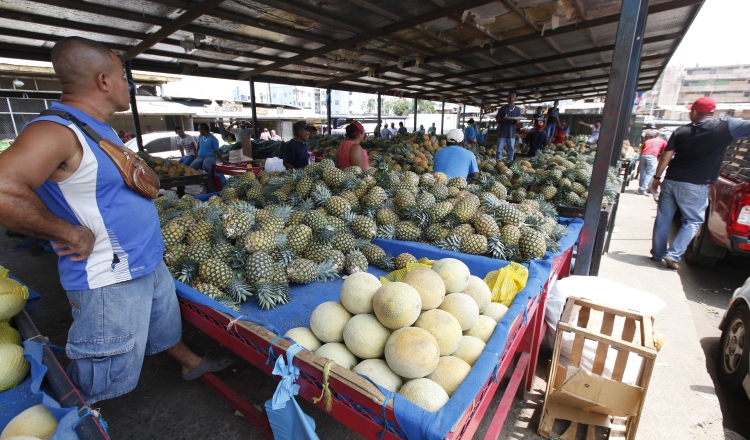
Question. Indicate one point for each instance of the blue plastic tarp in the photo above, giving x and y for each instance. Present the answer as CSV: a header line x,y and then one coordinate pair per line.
x,y
416,423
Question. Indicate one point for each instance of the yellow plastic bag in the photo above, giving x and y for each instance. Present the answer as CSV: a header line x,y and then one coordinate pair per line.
x,y
507,282
398,275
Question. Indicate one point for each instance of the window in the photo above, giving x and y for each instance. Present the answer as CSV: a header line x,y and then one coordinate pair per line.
x,y
274,95
336,102
721,82
350,93
747,94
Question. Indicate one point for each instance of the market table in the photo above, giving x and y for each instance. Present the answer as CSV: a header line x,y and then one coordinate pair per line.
x,y
233,169
182,181
253,334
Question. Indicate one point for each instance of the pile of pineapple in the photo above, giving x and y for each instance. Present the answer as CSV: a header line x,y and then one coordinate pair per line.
x,y
301,226
165,167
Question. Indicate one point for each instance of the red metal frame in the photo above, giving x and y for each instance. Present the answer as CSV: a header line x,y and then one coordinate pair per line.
x,y
363,415
232,169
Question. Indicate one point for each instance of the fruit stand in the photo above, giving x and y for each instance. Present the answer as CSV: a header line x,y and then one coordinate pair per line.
x,y
253,333
179,183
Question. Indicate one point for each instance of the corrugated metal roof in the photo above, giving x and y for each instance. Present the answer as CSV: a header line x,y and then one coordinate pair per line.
x,y
469,51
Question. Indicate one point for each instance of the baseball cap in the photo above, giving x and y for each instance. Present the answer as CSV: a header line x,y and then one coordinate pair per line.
x,y
456,135
651,125
704,104
354,129
539,123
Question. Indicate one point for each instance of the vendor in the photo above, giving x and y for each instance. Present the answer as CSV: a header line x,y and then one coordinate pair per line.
x,y
242,131
312,142
188,146
208,150
295,151
470,136
350,151
537,138
454,160
560,132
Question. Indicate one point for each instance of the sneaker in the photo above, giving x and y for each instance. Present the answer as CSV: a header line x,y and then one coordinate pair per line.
x,y
656,196
641,193
671,263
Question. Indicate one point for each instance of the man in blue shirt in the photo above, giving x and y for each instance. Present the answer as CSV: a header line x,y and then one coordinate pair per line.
x,y
470,136
553,119
454,160
208,150
507,118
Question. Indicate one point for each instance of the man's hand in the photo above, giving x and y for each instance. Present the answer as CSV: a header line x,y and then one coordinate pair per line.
x,y
655,185
79,246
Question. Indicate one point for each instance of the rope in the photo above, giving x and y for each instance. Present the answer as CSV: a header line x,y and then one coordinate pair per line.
x,y
85,412
495,372
326,392
386,424
233,322
525,315
271,355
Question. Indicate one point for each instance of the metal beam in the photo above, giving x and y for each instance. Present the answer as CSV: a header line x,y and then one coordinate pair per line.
x,y
380,102
442,120
253,109
416,109
633,17
375,33
329,98
134,106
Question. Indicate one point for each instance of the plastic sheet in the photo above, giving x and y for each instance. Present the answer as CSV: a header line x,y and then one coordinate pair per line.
x,y
287,419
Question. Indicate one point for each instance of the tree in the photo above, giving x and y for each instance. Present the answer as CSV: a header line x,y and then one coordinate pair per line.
x,y
387,107
426,107
402,107
369,106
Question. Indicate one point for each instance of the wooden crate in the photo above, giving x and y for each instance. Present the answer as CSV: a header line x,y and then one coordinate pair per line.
x,y
599,398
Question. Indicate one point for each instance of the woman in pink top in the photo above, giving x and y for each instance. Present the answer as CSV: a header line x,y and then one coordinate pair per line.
x,y
350,152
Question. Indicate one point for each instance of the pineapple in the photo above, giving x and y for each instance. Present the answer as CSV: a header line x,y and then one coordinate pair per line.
x,y
355,262
344,242
336,258
214,271
486,225
315,220
376,197
298,238
302,271
201,232
457,182
532,244
387,216
200,251
333,177
407,231
364,227
272,224
236,224
260,241
425,201
466,209
474,244
509,215
403,259
259,268
316,250
440,191
439,211
173,254
173,234
435,232
511,234
337,206
373,253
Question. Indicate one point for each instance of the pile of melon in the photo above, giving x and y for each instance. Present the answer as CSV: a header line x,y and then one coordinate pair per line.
x,y
419,337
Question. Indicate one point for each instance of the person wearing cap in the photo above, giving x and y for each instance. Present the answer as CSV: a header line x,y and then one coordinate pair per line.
x,y
350,151
506,127
553,119
385,132
650,132
595,128
312,141
470,135
454,160
537,138
295,151
694,154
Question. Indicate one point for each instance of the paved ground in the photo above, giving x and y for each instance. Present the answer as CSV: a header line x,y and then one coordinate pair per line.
x,y
683,401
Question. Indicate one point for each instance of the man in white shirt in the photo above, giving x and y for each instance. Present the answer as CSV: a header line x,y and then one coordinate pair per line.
x,y
595,128
274,136
265,135
187,144
393,129
385,132
243,130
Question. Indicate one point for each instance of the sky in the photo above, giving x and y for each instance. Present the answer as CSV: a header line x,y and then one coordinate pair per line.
x,y
716,36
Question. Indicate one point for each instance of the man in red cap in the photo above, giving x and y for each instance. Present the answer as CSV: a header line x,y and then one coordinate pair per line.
x,y
695,153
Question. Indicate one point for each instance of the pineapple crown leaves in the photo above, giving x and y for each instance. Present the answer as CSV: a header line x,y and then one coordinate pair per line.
x,y
325,234
451,220
295,199
450,243
548,209
349,216
306,205
387,232
238,290
350,183
326,271
361,242
286,256
268,295
245,208
283,211
422,219
186,270
320,194
552,245
490,201
496,247
227,301
368,211
281,240
387,263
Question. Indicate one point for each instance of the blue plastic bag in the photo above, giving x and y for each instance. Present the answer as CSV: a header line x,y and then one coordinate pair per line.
x,y
288,421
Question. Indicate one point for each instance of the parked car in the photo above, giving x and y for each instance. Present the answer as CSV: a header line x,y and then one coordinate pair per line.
x,y
734,356
726,229
164,143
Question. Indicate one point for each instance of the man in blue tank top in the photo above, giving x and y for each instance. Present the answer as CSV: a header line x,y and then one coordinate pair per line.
x,y
56,183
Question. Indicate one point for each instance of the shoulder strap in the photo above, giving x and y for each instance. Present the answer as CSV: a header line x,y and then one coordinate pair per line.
x,y
83,126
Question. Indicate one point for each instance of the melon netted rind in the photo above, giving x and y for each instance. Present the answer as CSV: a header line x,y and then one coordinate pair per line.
x,y
426,393
13,366
429,284
397,305
483,329
455,274
444,327
36,422
379,372
469,349
365,336
304,337
4,272
338,353
463,307
328,320
357,292
9,335
412,352
480,292
13,296
450,373
495,311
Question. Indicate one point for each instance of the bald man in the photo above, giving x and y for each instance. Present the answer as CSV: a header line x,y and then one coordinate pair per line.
x,y
56,183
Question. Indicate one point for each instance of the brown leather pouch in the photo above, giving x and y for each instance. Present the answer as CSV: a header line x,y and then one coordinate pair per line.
x,y
134,170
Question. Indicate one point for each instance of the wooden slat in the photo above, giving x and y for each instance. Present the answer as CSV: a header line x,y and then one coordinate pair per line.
x,y
628,332
649,353
619,312
583,317
647,335
577,351
591,432
602,348
570,433
568,309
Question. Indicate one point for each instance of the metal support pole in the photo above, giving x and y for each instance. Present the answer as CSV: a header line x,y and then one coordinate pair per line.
x,y
442,119
379,106
463,117
328,109
627,48
134,106
256,129
415,113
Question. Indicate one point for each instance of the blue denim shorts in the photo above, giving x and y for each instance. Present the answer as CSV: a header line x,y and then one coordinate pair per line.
x,y
115,326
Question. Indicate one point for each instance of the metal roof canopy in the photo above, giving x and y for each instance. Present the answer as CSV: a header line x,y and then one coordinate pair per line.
x,y
465,51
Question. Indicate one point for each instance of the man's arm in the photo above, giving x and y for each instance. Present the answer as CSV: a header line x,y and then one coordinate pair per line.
x,y
45,150
215,143
583,123
664,160
738,128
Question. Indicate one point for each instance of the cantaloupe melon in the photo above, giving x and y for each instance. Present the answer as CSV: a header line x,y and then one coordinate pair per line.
x,y
450,373
430,286
13,366
365,336
9,335
463,307
35,422
304,337
357,292
13,296
495,311
425,393
380,373
397,305
337,352
483,329
479,291
22,437
328,320
444,327
455,274
412,352
469,349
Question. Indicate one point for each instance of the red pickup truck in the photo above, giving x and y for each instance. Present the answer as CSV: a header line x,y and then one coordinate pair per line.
x,y
727,225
